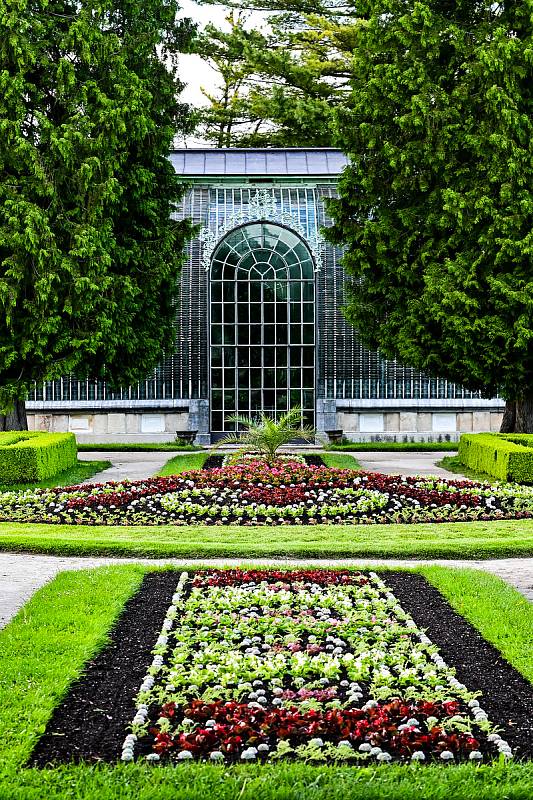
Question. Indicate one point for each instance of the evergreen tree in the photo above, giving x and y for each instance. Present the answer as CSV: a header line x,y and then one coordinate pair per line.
x,y
280,84
436,209
89,254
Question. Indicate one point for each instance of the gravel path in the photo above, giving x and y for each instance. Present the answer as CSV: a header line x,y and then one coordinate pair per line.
x,y
21,575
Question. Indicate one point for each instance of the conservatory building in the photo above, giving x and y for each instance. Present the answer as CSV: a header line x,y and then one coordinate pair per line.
x,y
259,325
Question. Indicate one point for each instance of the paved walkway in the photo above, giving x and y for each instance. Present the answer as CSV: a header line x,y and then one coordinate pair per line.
x,y
139,465
21,575
398,463
136,466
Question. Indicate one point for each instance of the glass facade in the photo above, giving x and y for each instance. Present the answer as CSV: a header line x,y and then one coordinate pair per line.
x,y
262,326
259,322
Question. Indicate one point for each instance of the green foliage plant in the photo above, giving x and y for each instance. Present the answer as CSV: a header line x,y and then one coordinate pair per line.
x,y
264,436
89,251
435,210
33,455
280,82
497,456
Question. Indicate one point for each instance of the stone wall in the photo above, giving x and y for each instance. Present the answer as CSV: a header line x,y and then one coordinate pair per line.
x,y
113,426
418,425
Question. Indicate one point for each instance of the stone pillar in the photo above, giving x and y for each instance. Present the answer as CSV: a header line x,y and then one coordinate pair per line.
x,y
199,420
326,415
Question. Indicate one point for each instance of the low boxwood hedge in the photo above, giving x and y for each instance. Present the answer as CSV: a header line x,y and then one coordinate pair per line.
x,y
27,456
506,457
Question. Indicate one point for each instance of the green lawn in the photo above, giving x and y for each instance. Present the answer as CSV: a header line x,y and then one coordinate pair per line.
x,y
44,649
183,463
129,447
449,540
454,464
70,477
396,447
340,460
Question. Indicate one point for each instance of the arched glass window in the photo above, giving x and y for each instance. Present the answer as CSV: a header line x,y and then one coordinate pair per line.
x,y
262,325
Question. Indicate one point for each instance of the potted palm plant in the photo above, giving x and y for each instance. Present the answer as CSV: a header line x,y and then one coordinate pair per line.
x,y
264,436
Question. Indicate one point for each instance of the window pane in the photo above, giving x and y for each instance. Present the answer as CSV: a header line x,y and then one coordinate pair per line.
x,y
216,292
229,377
216,312
229,312
229,334
281,356
229,357
281,378
216,421
268,312
229,400
269,356
216,357
229,292
309,334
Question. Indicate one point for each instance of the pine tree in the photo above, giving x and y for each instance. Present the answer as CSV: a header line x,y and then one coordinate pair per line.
x,y
89,254
280,84
435,210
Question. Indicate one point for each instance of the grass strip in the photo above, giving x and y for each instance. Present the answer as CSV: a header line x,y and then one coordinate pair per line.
x,y
448,540
183,463
132,447
45,647
476,596
340,461
79,472
396,447
454,464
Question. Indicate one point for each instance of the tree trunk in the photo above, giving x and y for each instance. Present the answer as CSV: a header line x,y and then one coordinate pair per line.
x,y
509,417
524,414
16,419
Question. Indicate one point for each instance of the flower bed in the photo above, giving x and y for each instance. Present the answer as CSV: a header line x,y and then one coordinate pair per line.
x,y
254,494
319,665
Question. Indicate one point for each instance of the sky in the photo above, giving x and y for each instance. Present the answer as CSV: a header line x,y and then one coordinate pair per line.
x,y
194,71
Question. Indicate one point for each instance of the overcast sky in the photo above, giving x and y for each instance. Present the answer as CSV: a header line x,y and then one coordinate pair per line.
x,y
195,72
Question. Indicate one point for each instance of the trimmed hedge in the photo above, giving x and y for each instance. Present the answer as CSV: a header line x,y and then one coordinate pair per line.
x,y
498,455
27,456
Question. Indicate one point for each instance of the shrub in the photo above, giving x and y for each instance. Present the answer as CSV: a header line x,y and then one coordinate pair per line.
x,y
27,456
500,456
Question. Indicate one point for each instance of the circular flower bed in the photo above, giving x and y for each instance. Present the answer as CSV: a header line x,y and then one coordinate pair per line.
x,y
253,493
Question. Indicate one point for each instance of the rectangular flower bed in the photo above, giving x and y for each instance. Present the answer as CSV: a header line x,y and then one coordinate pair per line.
x,y
255,494
320,665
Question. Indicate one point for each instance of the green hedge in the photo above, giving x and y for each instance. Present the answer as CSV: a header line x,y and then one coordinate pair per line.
x,y
27,456
497,455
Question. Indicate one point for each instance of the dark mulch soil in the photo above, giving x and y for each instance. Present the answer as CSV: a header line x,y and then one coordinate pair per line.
x,y
213,462
507,695
314,461
90,724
